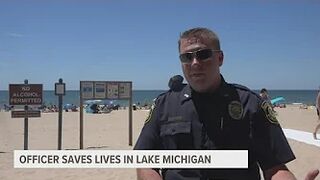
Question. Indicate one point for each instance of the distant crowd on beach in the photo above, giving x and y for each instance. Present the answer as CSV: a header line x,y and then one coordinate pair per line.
x,y
54,108
42,108
96,108
138,106
99,109
6,107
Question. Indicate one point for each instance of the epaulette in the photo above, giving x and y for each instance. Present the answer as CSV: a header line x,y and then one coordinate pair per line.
x,y
160,95
163,94
176,92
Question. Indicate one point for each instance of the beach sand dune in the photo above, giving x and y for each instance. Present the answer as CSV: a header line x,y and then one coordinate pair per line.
x,y
110,132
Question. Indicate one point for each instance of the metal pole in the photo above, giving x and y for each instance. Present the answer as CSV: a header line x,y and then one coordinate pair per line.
x,y
26,125
60,120
130,117
81,118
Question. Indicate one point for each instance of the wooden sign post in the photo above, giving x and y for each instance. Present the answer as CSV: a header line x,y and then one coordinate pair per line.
x,y
25,94
60,91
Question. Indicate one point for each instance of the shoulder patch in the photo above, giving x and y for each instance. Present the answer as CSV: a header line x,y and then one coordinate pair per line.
x,y
153,106
269,113
150,114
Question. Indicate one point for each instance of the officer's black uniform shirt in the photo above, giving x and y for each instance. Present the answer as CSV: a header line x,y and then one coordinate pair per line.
x,y
233,117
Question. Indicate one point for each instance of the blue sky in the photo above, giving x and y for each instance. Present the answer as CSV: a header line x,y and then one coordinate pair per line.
x,y
266,44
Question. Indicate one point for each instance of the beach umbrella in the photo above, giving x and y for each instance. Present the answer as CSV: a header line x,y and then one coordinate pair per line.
x,y
93,101
277,99
68,106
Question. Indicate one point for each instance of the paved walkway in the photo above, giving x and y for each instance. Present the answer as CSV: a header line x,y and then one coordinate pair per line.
x,y
305,137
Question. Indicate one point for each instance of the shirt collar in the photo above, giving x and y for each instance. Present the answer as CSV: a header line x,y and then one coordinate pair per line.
x,y
186,93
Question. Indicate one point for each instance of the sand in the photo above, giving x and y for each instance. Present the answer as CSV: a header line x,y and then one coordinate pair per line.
x,y
110,132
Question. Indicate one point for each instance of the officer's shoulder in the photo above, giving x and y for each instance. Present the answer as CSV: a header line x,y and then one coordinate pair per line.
x,y
243,90
171,93
160,97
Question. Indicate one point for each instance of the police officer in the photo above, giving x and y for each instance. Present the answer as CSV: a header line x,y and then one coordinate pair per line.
x,y
210,113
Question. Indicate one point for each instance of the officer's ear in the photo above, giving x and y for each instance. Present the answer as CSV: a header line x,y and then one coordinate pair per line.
x,y
220,58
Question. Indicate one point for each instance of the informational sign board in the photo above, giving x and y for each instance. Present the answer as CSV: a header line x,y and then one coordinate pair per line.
x,y
25,114
109,90
60,88
124,90
113,90
100,90
87,90
22,94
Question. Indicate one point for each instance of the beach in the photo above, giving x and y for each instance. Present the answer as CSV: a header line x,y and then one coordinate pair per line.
x,y
110,132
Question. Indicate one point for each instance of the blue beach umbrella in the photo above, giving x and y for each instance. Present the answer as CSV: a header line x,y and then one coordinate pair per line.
x,y
277,99
100,102
92,101
68,106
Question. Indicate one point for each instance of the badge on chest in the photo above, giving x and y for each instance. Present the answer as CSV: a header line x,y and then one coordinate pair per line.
x,y
235,110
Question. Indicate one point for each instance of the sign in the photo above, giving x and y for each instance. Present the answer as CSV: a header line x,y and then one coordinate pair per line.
x,y
106,89
25,114
124,90
113,91
60,88
25,94
87,90
100,90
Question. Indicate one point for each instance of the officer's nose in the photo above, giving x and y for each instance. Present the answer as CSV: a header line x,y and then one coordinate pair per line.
x,y
195,61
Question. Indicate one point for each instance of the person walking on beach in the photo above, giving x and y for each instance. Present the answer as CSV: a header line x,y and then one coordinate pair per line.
x,y
264,95
211,114
318,111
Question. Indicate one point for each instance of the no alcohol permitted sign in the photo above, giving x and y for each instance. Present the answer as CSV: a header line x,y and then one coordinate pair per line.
x,y
22,94
25,94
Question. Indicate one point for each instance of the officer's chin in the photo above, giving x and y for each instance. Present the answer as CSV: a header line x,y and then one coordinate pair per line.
x,y
200,88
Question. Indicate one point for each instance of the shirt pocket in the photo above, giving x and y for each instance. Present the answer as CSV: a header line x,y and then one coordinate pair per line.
x,y
176,133
242,130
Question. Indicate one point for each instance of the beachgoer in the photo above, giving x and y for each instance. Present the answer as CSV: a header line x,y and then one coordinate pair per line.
x,y
210,113
264,95
95,108
176,83
74,108
318,111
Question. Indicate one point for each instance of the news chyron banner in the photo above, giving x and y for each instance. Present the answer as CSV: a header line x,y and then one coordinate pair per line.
x,y
130,159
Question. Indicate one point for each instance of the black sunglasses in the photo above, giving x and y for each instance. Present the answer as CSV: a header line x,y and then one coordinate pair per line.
x,y
200,55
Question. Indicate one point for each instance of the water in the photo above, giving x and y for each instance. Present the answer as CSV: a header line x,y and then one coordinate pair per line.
x,y
146,96
295,96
